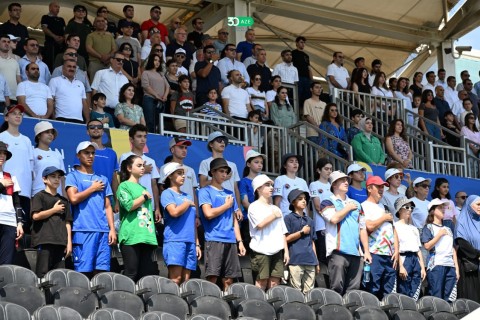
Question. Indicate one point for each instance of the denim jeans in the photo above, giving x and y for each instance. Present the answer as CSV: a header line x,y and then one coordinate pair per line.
x,y
151,110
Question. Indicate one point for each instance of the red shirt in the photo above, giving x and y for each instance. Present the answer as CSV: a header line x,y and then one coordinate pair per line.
x,y
147,24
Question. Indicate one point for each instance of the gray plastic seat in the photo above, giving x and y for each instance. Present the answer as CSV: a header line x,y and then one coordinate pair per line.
x,y
158,315
435,308
12,311
110,314
31,298
60,278
463,307
165,302
16,274
150,285
125,301
50,312
82,300
111,281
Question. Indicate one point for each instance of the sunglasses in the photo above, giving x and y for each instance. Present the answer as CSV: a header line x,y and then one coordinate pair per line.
x,y
424,186
120,60
398,176
408,207
180,56
95,126
158,50
71,54
462,197
210,52
220,140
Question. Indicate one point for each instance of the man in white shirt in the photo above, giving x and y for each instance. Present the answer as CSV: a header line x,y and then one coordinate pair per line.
x,y
451,94
457,107
236,101
337,75
442,81
286,70
376,68
35,96
109,81
431,84
69,95
229,63
138,139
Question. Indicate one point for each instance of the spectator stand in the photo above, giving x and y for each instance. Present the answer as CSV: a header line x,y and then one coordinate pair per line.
x,y
438,157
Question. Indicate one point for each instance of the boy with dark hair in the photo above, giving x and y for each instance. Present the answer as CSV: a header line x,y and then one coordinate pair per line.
x,y
52,224
138,139
301,242
93,227
356,115
222,233
357,176
99,101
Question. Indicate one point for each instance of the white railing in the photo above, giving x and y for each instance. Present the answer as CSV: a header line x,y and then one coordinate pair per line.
x,y
447,160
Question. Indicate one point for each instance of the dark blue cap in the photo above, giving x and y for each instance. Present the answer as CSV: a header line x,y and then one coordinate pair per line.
x,y
52,169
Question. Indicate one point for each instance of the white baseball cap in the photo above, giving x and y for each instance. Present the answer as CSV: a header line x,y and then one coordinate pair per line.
x,y
437,202
85,144
420,180
391,172
354,167
253,154
12,37
170,168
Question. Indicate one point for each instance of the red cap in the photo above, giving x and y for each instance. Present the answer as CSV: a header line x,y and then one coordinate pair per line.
x,y
376,180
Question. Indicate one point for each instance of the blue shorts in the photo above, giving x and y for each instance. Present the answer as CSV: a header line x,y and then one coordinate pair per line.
x,y
90,251
182,254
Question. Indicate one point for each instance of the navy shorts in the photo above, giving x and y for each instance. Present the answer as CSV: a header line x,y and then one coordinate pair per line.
x,y
90,251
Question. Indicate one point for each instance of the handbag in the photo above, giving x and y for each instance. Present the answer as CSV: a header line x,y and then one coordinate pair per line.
x,y
468,265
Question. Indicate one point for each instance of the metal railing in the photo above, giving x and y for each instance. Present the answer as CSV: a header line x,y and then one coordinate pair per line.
x,y
472,161
311,151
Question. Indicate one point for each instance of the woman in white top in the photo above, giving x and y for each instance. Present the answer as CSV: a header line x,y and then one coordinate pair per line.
x,y
385,109
21,164
470,131
44,157
403,93
267,230
258,99
276,82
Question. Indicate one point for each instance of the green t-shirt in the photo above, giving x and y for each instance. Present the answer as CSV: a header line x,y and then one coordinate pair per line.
x,y
135,226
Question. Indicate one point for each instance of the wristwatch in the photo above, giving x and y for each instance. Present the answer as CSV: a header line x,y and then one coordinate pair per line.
x,y
302,233
145,196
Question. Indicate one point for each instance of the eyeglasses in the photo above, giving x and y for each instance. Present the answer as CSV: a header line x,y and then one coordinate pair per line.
x,y
462,197
71,54
220,140
182,56
119,60
95,126
424,186
210,52
408,207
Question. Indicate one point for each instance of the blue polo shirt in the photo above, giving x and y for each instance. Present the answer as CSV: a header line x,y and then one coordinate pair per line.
x,y
355,194
301,250
180,229
245,188
219,228
105,163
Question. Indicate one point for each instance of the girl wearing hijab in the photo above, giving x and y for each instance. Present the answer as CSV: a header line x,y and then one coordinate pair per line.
x,y
366,147
467,239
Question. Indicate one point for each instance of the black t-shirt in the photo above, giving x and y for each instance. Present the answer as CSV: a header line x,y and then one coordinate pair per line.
x,y
187,46
301,61
18,30
211,81
196,38
54,24
51,230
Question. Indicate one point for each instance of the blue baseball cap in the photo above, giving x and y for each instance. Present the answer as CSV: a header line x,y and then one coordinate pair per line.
x,y
52,169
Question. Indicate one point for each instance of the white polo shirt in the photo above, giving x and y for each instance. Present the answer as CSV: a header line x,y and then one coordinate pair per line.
x,y
68,97
288,72
36,95
238,100
340,74
109,82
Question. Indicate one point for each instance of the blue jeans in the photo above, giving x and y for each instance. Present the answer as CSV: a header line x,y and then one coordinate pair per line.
x,y
151,110
433,130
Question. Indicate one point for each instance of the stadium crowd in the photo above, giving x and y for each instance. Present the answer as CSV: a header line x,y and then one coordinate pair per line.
x,y
96,74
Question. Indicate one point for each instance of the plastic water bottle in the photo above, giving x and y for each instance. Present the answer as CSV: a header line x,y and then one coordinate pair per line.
x,y
366,272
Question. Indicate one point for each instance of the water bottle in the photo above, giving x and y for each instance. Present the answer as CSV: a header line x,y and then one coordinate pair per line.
x,y
366,272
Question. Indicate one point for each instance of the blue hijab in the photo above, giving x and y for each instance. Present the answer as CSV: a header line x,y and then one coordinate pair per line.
x,y
468,223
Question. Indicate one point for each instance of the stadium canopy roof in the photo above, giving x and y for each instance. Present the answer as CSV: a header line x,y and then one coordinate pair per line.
x,y
389,30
